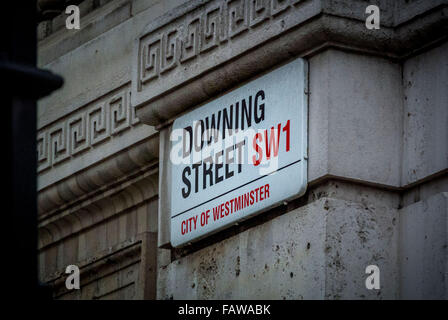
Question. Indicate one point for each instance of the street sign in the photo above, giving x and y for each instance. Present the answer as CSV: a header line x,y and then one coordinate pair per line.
x,y
240,154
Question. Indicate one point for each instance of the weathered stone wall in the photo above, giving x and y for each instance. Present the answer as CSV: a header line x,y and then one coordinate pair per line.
x,y
98,165
378,150
361,207
316,250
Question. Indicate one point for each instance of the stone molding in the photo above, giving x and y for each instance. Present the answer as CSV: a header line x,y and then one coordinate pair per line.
x,y
207,47
99,177
99,121
90,212
98,266
66,208
100,129
120,185
75,220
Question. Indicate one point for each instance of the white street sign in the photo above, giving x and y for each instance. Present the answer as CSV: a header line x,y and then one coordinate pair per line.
x,y
239,154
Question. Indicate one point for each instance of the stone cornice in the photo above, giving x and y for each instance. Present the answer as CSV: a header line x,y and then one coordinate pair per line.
x,y
100,264
67,208
206,47
106,174
66,223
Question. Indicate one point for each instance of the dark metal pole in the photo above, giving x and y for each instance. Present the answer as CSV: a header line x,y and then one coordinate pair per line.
x,y
23,84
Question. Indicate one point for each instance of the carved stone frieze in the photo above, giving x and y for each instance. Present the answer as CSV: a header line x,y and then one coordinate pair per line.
x,y
97,122
203,48
88,135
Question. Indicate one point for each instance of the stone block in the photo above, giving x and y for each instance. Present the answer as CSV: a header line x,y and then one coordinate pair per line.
x,y
425,146
423,249
359,235
317,251
93,23
355,111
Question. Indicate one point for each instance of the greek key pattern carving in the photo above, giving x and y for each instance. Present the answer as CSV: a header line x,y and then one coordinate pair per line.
x,y
92,125
202,31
